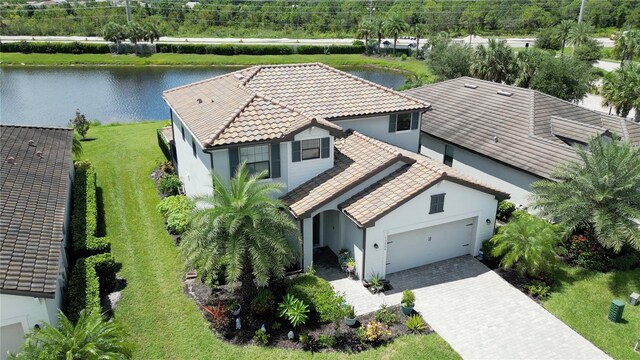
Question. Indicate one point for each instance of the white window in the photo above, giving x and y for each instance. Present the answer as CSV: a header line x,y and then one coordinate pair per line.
x,y
310,149
257,159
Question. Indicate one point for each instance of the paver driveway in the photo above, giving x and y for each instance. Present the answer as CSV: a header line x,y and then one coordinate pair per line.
x,y
477,312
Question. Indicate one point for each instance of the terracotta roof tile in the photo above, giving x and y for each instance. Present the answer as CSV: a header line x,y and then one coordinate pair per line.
x,y
33,198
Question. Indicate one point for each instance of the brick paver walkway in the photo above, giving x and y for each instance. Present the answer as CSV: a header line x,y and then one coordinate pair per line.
x,y
478,313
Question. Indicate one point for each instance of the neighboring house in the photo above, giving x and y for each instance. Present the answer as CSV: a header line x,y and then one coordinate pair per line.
x,y
36,174
508,136
391,207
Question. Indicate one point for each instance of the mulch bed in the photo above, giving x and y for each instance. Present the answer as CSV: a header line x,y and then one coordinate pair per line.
x,y
278,328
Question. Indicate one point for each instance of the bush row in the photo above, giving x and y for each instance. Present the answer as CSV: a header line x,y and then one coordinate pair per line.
x,y
225,49
56,47
84,220
91,279
331,49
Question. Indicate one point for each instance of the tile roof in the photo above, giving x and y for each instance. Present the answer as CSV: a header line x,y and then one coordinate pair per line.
x,y
34,187
269,102
575,130
516,129
359,157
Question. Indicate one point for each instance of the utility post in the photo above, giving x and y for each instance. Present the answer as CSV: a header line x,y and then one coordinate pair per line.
x,y
370,10
581,11
126,4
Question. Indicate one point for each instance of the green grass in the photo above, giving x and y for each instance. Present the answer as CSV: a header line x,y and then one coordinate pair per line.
x,y
392,63
163,323
582,299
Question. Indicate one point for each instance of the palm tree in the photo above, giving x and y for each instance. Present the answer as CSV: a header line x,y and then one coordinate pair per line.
x,y
493,62
621,89
598,191
76,147
364,31
151,32
91,338
525,66
627,45
564,28
419,31
240,228
377,27
528,244
113,32
395,25
580,34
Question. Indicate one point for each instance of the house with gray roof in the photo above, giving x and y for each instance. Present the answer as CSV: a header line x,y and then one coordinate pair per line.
x,y
36,175
508,136
346,151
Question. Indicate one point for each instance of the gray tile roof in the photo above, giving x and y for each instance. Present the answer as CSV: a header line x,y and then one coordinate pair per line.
x,y
515,129
34,187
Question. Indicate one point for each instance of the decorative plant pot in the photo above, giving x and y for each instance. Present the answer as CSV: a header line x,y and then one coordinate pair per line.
x,y
407,310
350,322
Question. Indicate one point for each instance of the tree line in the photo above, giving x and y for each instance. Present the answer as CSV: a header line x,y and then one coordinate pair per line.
x,y
341,18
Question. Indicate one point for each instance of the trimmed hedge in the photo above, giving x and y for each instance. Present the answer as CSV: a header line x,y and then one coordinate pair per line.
x,y
311,49
311,289
225,49
55,47
83,291
84,220
106,269
331,49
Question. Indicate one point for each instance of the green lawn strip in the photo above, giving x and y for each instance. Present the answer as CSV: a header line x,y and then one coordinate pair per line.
x,y
163,322
392,63
582,299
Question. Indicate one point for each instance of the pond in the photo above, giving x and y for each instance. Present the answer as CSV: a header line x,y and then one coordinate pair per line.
x,y
50,95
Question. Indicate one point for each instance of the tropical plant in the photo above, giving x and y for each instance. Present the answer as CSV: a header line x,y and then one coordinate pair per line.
x,y
621,89
378,28
538,289
589,52
135,32
579,34
80,124
375,283
395,25
76,147
493,62
408,298
170,185
241,229
91,338
627,45
365,29
527,244
151,33
375,330
113,32
420,30
385,316
525,66
261,337
263,303
350,312
564,29
327,341
415,324
548,39
599,191
294,310
330,308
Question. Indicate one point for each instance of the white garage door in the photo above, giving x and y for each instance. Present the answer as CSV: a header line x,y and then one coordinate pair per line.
x,y
426,245
12,338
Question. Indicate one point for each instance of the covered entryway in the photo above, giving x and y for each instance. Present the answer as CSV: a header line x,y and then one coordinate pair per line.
x,y
426,245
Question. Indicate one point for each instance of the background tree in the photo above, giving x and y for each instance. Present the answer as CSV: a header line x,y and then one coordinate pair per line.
x,y
580,34
548,39
113,32
564,29
600,191
395,25
565,78
627,45
493,62
450,61
419,31
91,338
80,124
526,64
151,33
364,31
589,52
378,28
527,244
241,229
135,32
621,89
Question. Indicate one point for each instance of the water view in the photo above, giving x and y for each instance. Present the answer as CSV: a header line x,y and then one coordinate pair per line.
x,y
50,95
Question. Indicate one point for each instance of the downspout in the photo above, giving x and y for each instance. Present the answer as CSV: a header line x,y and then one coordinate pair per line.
x,y
364,252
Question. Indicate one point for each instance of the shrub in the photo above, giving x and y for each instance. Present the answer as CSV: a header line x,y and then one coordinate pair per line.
x,y
346,49
538,289
361,335
223,49
106,269
167,167
261,337
170,185
84,219
403,57
311,49
219,316
415,324
408,298
330,307
83,291
505,209
375,330
176,209
584,251
263,50
548,39
385,316
626,262
310,289
294,310
263,303
52,48
376,284
327,341
357,43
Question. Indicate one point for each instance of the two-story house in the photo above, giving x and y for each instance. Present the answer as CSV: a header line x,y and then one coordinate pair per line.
x,y
345,150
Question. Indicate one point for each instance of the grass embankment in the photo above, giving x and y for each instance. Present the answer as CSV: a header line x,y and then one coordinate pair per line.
x,y
162,321
582,298
392,63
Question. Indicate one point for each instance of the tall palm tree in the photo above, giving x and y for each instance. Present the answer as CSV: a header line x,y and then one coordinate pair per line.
x,y
621,89
395,25
627,45
493,62
525,65
240,228
580,34
91,338
377,27
564,28
527,244
420,30
598,191
365,28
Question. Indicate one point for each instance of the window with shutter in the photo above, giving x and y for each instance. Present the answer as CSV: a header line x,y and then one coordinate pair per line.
x,y
233,161
392,122
275,160
415,120
257,159
295,151
403,122
326,147
437,203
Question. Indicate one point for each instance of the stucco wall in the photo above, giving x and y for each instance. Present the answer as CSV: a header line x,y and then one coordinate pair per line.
x,y
515,182
461,202
304,170
377,127
194,171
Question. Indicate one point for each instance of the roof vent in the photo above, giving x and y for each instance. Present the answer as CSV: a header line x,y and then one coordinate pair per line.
x,y
495,139
32,143
471,86
504,93
39,153
11,160
199,101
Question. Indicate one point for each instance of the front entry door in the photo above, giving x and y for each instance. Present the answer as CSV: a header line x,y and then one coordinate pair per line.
x,y
316,231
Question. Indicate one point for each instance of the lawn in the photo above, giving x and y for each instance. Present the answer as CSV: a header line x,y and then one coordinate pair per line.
x,y
582,299
161,320
409,65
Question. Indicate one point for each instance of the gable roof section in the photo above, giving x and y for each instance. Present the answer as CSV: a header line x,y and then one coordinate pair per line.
x,y
358,158
272,102
33,197
516,129
575,130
